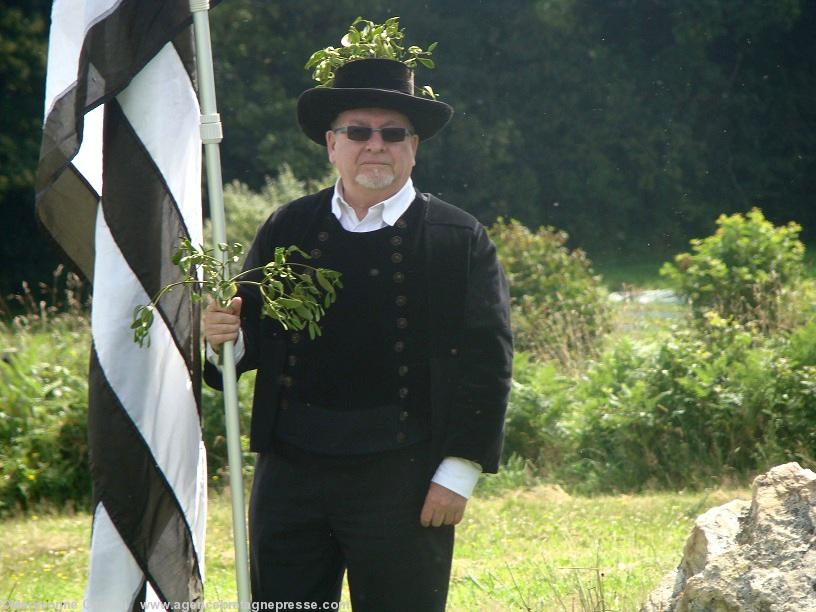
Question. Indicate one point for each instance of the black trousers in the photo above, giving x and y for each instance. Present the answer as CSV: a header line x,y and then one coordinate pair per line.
x,y
309,521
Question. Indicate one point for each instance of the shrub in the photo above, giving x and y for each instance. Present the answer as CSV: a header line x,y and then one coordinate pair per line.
x,y
793,401
749,271
560,308
214,430
709,403
533,423
246,209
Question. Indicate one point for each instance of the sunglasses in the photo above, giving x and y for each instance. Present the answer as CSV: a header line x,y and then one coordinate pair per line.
x,y
361,133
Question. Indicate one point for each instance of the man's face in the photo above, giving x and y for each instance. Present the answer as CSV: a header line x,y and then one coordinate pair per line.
x,y
374,166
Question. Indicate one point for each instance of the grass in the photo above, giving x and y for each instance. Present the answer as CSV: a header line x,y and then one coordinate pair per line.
x,y
644,322
533,549
643,271
620,272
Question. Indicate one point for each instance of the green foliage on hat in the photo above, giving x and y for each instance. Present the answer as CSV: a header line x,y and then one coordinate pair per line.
x,y
366,40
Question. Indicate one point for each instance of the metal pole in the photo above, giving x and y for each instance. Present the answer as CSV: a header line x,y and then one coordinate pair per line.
x,y
211,136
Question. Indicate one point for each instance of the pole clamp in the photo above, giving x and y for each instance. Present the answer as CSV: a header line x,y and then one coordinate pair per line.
x,y
197,6
211,131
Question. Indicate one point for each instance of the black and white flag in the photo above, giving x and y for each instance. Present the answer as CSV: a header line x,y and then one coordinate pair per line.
x,y
118,183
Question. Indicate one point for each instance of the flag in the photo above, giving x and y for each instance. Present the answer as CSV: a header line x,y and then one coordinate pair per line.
x,y
119,181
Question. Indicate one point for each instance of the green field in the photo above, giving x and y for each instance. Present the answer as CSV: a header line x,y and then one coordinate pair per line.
x,y
535,549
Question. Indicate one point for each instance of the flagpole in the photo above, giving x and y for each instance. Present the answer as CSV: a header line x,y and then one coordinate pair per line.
x,y
211,136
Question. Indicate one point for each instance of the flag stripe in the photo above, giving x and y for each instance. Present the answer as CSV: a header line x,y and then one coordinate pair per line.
x,y
114,49
171,433
72,239
117,578
135,196
142,506
165,104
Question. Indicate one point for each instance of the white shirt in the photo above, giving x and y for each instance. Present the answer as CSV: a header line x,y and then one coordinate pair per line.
x,y
378,216
454,473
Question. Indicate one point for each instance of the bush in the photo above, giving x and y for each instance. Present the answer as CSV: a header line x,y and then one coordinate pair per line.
x,y
709,403
749,271
533,424
245,209
214,430
560,309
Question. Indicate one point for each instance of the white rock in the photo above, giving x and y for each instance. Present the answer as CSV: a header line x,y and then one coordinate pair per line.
x,y
756,557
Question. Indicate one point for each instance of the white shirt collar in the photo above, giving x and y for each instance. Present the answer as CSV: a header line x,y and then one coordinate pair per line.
x,y
378,216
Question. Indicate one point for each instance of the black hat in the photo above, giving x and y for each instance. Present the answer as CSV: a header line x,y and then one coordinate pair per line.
x,y
370,83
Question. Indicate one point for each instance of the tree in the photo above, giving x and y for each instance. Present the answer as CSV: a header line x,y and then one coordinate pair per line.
x,y
23,35
629,124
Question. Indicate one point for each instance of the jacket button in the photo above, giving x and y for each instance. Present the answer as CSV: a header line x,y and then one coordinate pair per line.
x,y
295,337
316,253
323,236
396,240
403,392
402,323
401,223
399,346
292,360
396,257
403,415
454,351
374,272
399,277
401,300
400,437
402,370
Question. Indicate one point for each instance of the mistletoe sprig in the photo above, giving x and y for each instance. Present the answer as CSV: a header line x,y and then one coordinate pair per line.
x,y
294,294
364,40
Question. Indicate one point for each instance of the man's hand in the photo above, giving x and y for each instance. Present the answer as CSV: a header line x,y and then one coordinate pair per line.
x,y
442,507
222,324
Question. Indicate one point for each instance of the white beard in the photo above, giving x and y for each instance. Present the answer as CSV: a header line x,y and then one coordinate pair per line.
x,y
376,179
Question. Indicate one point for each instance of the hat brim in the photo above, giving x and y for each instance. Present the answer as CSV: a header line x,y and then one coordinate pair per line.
x,y
319,106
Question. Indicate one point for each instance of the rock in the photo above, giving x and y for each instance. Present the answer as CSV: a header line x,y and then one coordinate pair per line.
x,y
750,557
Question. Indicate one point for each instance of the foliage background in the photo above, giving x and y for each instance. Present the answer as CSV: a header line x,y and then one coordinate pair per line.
x,y
630,124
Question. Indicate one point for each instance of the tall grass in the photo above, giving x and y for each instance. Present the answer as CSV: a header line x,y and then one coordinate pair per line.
x,y
66,298
44,344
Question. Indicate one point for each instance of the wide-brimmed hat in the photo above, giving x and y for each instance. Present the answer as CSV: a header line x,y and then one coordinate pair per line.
x,y
370,83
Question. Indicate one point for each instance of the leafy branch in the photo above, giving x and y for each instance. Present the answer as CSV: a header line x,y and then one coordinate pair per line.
x,y
294,294
365,40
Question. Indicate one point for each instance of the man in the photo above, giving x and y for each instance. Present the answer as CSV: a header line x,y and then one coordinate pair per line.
x,y
372,435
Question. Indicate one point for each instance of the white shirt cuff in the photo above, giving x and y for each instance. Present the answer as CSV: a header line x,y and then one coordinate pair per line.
x,y
457,474
238,350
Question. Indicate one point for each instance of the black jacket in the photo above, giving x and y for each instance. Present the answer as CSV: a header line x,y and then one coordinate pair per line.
x,y
471,342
